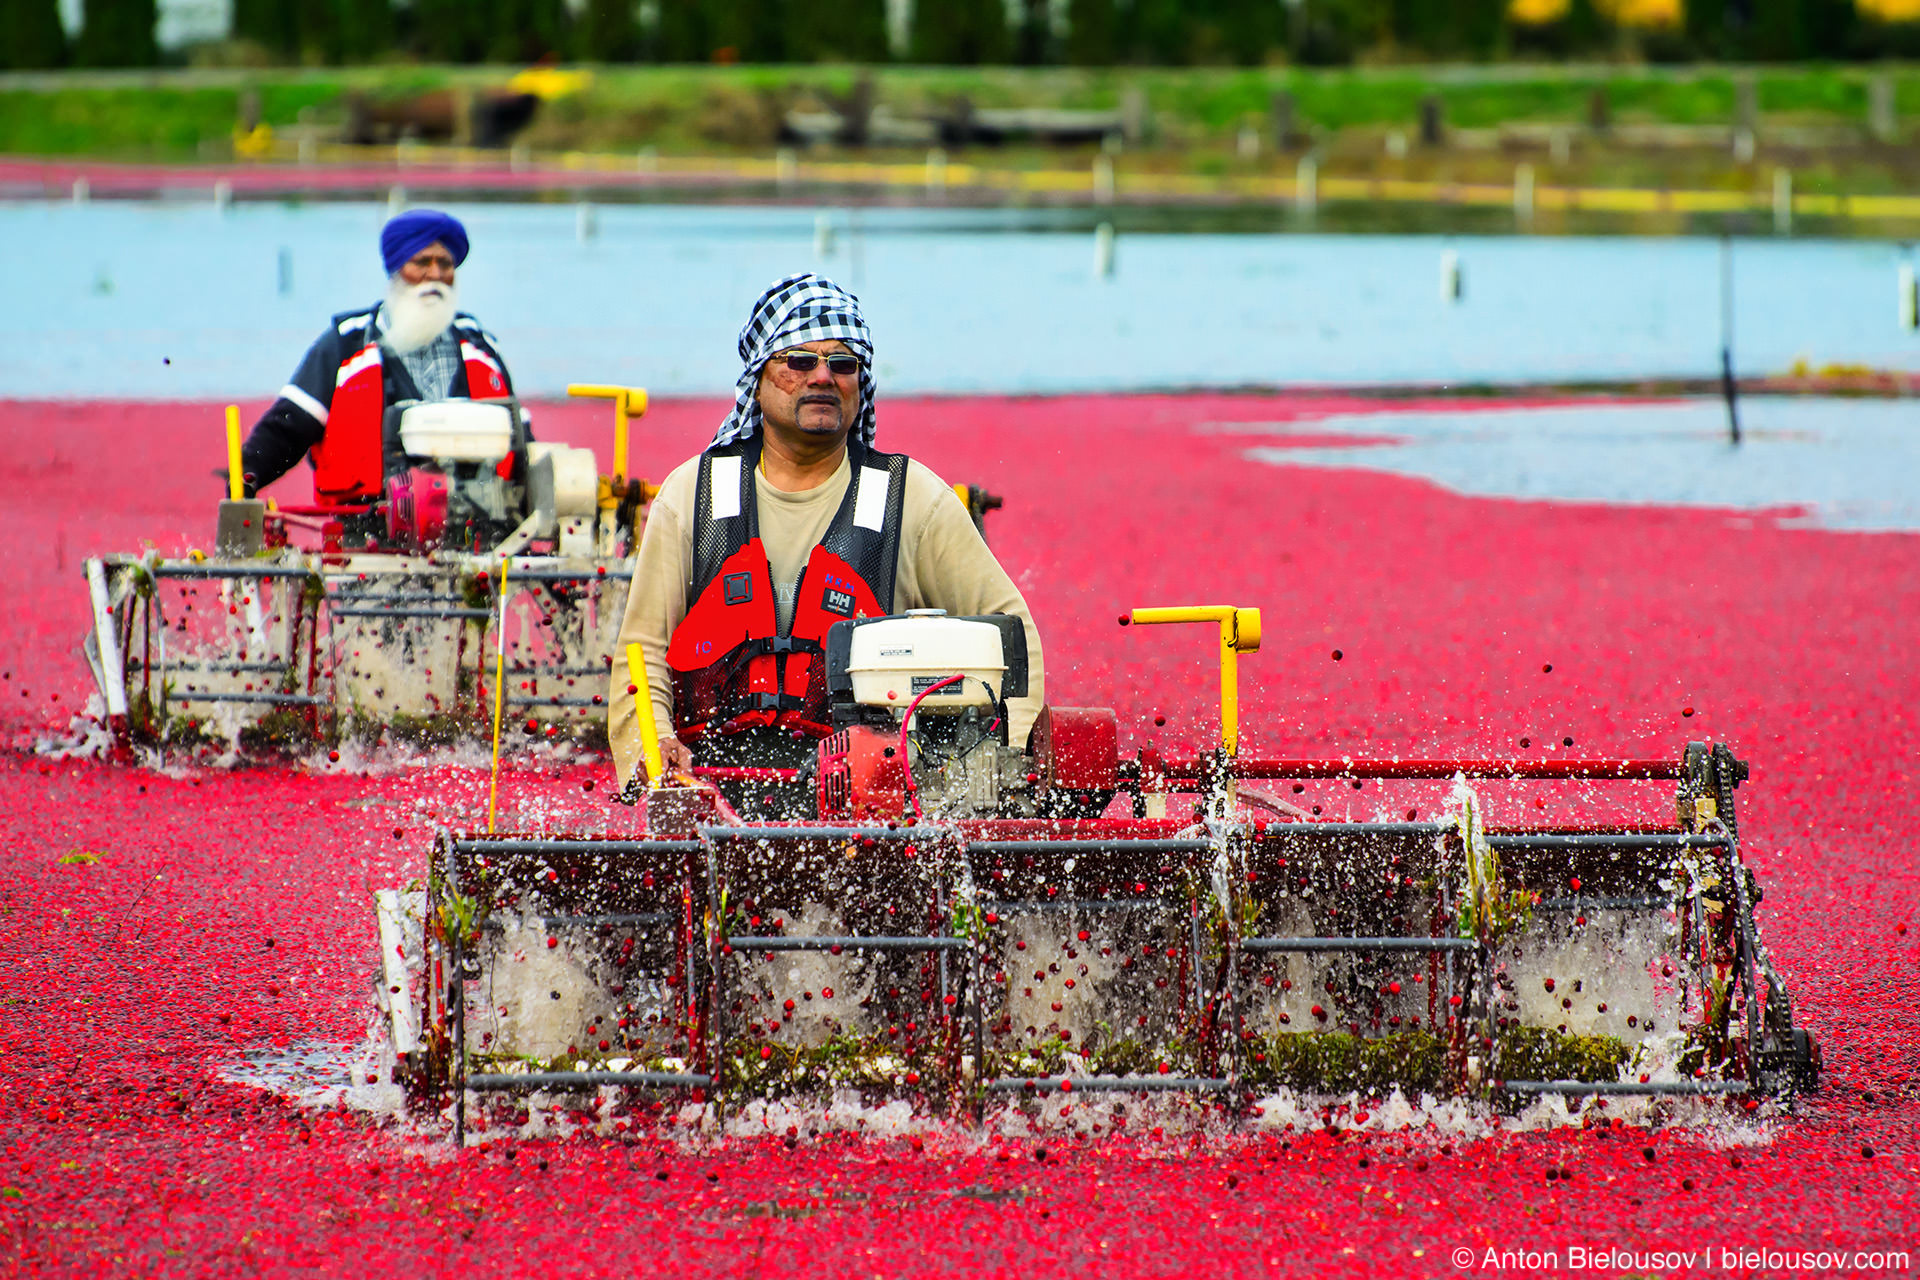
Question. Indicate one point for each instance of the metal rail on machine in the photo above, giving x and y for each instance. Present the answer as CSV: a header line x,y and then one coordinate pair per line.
x,y
1190,770
480,847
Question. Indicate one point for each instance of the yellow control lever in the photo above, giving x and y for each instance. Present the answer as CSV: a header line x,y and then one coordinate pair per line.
x,y
626,401
1239,633
643,708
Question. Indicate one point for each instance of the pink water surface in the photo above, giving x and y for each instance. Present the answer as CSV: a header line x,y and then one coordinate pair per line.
x,y
229,910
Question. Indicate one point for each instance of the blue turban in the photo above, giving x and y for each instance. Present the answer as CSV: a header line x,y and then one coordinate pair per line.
x,y
410,232
800,308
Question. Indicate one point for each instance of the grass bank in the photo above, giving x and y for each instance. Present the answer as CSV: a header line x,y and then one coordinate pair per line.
x,y
183,115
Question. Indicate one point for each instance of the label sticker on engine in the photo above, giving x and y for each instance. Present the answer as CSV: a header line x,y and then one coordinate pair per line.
x,y
923,683
836,601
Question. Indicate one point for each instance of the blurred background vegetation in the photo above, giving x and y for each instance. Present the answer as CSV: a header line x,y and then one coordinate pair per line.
x,y
1093,33
1654,93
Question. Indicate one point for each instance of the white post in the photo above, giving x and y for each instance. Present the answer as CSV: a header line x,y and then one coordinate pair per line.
x,y
107,636
1248,143
822,235
1306,184
1783,200
1103,179
1523,194
396,200
82,190
222,195
786,167
586,223
1909,297
1103,251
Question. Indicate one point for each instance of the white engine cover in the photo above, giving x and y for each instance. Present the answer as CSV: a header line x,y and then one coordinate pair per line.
x,y
457,431
893,660
563,491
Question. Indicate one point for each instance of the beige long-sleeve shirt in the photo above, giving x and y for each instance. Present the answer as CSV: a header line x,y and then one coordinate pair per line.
x,y
943,564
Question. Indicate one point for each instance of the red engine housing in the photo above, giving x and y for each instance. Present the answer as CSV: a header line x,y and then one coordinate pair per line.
x,y
862,775
417,508
1076,749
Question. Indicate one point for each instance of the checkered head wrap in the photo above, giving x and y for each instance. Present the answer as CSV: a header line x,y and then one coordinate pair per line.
x,y
802,308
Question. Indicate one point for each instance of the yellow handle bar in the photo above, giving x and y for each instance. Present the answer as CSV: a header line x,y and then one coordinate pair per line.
x,y
626,401
236,482
1239,633
643,707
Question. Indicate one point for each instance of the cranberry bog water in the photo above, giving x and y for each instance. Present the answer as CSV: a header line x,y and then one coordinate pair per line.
x,y
192,1082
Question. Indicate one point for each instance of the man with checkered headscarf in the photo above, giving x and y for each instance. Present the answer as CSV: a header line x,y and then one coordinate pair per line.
x,y
789,520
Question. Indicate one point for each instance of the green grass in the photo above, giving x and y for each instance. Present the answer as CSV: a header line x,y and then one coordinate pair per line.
x,y
159,123
168,116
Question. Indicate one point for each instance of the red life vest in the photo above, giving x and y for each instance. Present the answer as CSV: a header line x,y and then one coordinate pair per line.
x,y
733,668
348,463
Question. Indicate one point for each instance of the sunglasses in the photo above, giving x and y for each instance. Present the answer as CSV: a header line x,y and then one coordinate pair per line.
x,y
840,364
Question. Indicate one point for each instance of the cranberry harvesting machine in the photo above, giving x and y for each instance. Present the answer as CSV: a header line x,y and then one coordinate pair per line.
x,y
969,924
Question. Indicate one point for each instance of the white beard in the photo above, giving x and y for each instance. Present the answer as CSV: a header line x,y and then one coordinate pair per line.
x,y
417,313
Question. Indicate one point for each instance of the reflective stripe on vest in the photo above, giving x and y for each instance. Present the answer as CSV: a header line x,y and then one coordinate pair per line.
x,y
486,380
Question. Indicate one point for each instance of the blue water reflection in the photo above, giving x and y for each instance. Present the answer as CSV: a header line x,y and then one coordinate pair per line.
x,y
1832,464
183,300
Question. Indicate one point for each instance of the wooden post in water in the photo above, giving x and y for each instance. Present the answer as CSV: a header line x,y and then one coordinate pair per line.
x,y
1103,179
1728,388
1909,294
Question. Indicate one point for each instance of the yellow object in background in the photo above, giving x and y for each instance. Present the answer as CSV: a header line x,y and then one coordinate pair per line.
x,y
236,480
548,83
1537,13
499,693
1889,10
628,403
1646,15
254,143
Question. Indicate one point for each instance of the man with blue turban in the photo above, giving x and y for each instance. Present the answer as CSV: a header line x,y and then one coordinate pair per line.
x,y
416,345
788,522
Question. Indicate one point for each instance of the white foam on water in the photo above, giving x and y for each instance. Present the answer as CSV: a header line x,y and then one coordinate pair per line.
x,y
1616,966
538,992
826,990
1047,965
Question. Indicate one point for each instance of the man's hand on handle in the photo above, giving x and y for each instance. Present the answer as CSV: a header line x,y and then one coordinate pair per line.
x,y
674,755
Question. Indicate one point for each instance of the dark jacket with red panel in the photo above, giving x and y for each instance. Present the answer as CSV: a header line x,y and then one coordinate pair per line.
x,y
335,406
733,668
